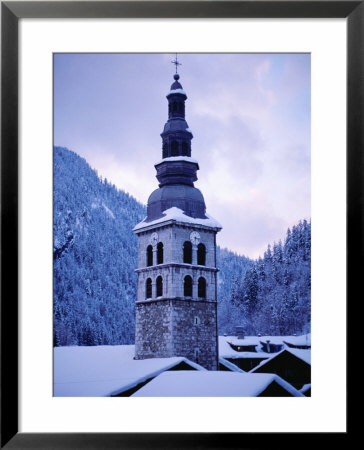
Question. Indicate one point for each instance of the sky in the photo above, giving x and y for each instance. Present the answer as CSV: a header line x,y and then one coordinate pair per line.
x,y
250,116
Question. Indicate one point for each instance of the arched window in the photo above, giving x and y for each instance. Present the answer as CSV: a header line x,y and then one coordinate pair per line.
x,y
160,253
159,286
149,255
148,288
174,148
201,255
181,107
174,106
187,286
201,287
184,149
165,150
187,252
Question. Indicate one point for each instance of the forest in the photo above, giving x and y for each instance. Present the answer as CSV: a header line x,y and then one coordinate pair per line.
x,y
95,254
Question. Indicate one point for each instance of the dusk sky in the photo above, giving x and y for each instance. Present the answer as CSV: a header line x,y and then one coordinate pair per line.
x,y
249,114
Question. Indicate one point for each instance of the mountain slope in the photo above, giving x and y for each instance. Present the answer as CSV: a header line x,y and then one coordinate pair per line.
x,y
94,256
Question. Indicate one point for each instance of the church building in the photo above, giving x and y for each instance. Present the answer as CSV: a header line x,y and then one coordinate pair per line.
x,y
176,306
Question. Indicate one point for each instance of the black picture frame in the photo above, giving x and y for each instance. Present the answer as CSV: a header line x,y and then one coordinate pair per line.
x,y
11,12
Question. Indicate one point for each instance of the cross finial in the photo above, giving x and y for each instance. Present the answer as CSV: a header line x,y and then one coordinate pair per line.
x,y
176,63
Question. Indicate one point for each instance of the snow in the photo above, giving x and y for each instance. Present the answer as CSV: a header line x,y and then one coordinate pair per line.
x,y
98,371
230,365
108,211
178,216
98,203
299,340
177,158
211,384
304,355
176,91
104,370
305,388
251,340
227,352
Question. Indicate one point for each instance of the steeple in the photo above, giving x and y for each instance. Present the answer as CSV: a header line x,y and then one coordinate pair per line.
x,y
176,135
176,305
176,172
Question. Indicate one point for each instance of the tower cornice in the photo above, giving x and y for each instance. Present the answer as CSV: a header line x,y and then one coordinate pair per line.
x,y
210,223
179,265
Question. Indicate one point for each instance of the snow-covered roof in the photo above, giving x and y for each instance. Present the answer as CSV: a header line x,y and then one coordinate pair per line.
x,y
305,388
211,384
247,341
177,215
299,340
304,355
105,370
230,365
177,158
226,351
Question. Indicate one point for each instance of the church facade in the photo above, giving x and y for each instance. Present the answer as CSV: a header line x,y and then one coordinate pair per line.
x,y
176,306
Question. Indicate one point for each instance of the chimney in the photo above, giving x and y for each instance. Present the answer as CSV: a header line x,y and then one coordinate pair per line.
x,y
239,332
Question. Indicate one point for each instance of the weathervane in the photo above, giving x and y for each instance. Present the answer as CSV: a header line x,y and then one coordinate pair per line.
x,y
176,63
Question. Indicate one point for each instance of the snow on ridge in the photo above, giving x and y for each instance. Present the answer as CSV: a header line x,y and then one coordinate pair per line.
x,y
178,215
211,384
177,158
230,365
303,355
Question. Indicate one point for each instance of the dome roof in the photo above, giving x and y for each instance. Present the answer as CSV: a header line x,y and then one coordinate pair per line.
x,y
176,124
176,85
187,198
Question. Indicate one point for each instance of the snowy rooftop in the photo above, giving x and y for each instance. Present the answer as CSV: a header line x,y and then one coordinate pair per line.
x,y
247,341
177,158
226,351
104,370
304,355
299,340
305,388
211,384
179,216
230,366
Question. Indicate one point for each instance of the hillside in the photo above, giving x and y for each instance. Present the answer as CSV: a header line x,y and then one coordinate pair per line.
x,y
94,256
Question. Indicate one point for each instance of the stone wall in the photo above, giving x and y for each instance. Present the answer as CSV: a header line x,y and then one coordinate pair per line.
x,y
187,328
153,330
171,324
195,332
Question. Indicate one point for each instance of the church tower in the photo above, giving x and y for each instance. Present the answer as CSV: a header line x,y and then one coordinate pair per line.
x,y
176,307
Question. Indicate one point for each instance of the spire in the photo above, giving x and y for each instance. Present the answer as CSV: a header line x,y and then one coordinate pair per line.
x,y
176,136
176,172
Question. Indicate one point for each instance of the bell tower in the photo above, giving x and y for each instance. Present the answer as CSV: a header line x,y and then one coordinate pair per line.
x,y
176,306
